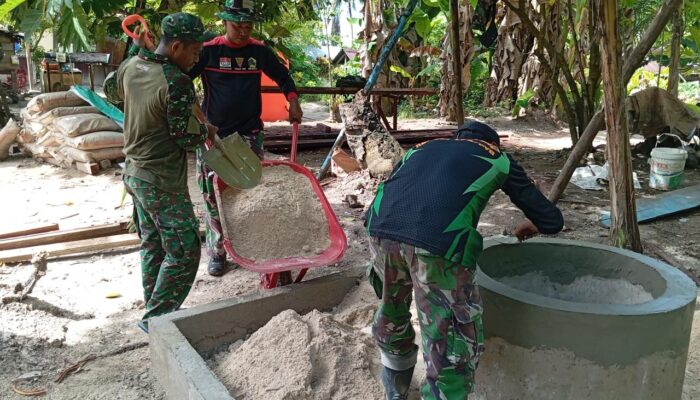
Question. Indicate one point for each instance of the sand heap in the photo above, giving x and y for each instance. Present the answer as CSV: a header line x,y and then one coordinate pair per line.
x,y
584,289
294,357
280,217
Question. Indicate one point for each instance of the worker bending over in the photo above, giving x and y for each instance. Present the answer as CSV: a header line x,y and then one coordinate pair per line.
x,y
422,227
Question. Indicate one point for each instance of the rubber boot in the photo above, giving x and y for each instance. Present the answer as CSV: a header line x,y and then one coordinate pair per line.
x,y
396,383
217,266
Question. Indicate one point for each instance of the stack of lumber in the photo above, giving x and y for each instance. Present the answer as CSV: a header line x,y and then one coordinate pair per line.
x,y
61,128
19,245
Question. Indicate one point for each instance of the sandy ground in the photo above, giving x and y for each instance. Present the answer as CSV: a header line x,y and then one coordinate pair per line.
x,y
68,316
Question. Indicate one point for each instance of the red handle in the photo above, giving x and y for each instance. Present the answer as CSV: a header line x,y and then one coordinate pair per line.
x,y
132,20
295,137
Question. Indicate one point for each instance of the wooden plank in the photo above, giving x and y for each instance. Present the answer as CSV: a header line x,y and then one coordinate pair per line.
x,y
665,204
88,168
71,248
28,230
63,236
350,91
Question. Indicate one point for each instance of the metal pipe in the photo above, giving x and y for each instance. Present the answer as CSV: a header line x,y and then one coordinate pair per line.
x,y
388,46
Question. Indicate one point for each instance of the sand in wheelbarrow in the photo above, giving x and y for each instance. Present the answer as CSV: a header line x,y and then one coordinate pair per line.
x,y
280,217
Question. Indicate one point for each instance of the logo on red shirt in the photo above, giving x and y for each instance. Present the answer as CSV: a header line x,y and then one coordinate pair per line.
x,y
225,62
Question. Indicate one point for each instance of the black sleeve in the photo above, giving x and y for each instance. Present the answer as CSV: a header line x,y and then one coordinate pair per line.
x,y
201,64
273,68
537,208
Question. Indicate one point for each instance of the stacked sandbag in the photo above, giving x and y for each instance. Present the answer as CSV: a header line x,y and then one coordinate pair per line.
x,y
8,134
61,126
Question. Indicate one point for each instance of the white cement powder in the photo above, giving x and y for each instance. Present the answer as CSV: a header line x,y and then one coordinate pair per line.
x,y
584,289
280,217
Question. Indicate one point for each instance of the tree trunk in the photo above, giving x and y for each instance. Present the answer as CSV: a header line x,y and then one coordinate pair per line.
x,y
512,48
624,231
634,61
533,76
448,94
673,73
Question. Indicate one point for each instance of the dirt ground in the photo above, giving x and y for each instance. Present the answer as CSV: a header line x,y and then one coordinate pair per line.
x,y
69,317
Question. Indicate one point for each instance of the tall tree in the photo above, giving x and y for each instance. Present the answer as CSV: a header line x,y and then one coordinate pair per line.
x,y
674,67
624,231
448,93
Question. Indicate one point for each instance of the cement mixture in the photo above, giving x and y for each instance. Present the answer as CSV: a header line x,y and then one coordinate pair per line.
x,y
280,217
301,357
584,289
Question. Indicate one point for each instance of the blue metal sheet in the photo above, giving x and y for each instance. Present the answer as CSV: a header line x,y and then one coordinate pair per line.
x,y
103,105
663,205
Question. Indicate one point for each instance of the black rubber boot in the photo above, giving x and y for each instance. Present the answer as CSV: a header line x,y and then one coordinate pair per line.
x,y
396,383
217,266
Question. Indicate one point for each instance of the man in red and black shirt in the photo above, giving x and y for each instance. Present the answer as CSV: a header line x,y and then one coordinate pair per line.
x,y
230,67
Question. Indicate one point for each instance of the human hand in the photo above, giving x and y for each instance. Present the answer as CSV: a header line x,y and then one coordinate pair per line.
x,y
525,230
212,131
295,113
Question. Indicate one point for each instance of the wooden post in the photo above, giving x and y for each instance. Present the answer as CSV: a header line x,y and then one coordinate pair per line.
x,y
673,73
624,231
456,61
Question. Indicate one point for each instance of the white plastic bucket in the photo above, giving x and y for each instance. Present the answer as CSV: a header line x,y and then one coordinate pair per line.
x,y
667,166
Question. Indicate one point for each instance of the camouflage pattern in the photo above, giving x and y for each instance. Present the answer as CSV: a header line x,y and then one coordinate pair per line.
x,y
205,181
170,245
449,312
240,11
185,26
111,91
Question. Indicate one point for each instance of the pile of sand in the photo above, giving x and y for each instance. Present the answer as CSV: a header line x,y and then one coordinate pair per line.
x,y
280,217
293,357
584,289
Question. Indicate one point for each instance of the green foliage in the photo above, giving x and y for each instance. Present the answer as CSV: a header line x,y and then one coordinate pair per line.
x,y
522,102
643,79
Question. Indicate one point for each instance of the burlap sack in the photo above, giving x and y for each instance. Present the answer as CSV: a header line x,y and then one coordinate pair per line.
x,y
110,153
48,101
94,140
8,134
80,124
50,116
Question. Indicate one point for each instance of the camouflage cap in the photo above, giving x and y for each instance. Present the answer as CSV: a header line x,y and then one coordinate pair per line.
x,y
185,26
239,11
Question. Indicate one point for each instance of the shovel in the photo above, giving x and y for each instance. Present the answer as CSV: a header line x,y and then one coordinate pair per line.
x,y
231,158
233,161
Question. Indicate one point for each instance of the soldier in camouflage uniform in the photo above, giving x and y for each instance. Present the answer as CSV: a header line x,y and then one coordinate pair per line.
x,y
159,126
422,227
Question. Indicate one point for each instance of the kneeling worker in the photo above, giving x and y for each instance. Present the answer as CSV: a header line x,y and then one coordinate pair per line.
x,y
422,227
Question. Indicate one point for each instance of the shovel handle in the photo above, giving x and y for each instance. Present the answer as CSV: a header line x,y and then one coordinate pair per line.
x,y
132,20
295,138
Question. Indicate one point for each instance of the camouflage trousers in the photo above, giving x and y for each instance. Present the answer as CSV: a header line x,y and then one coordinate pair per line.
x,y
205,182
449,313
170,245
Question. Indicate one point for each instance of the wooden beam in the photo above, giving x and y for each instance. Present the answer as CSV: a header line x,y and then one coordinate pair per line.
x,y
88,168
63,236
28,230
71,248
352,90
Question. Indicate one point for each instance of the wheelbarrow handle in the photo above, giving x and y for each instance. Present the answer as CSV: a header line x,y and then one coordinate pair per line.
x,y
132,20
295,139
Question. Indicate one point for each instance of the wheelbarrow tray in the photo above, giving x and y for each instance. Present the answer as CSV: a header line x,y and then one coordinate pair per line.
x,y
333,253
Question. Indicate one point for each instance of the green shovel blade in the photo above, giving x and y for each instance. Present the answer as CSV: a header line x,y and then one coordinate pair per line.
x,y
234,162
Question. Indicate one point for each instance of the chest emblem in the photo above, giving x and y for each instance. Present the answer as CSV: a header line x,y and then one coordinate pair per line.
x,y
239,62
225,63
252,64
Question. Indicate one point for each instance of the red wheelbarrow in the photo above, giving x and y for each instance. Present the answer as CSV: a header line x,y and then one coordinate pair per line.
x,y
270,270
